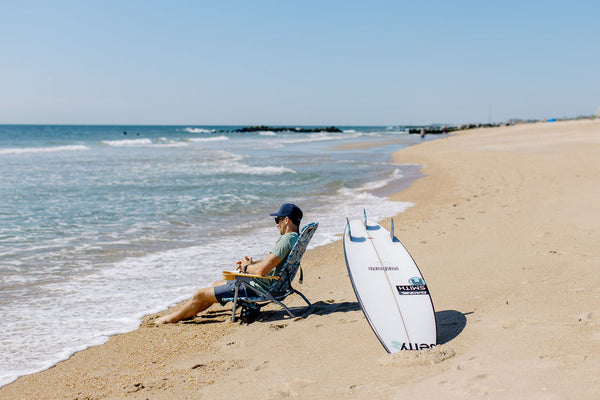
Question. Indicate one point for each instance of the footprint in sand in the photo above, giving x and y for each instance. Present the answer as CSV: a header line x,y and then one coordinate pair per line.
x,y
431,356
586,318
277,327
512,324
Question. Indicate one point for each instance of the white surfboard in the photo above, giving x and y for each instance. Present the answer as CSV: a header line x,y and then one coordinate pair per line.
x,y
389,287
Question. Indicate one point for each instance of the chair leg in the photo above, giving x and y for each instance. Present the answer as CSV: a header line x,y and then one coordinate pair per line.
x,y
310,306
235,299
307,311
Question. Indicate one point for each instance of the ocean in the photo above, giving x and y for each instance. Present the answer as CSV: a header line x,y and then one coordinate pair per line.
x,y
101,225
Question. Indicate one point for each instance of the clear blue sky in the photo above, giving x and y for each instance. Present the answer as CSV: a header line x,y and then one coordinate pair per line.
x,y
297,62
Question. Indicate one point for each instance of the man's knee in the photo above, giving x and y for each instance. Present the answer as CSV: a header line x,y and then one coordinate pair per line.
x,y
200,294
205,295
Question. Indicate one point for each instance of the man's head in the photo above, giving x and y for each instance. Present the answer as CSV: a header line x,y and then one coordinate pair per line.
x,y
291,211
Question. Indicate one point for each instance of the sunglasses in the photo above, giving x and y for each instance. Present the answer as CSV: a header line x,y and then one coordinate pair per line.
x,y
277,219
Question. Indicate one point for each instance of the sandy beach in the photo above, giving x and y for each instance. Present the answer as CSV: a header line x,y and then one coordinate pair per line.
x,y
505,229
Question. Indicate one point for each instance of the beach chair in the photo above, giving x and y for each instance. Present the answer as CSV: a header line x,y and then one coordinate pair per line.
x,y
282,283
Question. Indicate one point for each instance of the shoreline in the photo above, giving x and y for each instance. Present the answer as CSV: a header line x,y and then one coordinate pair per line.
x,y
491,303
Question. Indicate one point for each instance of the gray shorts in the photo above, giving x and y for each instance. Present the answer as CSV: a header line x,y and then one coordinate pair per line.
x,y
226,292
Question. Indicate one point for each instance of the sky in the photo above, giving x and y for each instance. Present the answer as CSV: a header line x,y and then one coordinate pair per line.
x,y
325,62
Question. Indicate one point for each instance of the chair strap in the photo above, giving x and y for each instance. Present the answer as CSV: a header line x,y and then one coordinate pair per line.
x,y
301,279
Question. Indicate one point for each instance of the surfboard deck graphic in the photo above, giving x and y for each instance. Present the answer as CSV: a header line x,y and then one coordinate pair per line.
x,y
389,287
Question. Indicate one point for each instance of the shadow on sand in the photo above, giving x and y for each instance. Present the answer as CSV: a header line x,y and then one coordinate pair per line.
x,y
450,324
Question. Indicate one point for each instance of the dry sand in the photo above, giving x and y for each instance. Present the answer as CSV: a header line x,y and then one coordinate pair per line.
x,y
505,229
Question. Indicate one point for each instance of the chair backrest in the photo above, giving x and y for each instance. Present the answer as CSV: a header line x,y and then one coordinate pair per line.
x,y
292,262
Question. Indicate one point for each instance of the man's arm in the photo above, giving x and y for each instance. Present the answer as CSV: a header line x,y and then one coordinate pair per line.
x,y
259,267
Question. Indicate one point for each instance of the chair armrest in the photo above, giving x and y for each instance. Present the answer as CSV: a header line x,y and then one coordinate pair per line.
x,y
229,276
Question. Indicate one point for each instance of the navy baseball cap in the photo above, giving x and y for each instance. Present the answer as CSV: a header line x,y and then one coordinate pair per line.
x,y
289,210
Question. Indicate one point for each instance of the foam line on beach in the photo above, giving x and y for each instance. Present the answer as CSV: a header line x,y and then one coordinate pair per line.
x,y
50,149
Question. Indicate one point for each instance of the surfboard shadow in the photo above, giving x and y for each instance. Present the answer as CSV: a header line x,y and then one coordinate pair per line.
x,y
450,324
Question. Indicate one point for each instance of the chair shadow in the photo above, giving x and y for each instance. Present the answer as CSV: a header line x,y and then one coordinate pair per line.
x,y
329,307
209,317
318,308
450,323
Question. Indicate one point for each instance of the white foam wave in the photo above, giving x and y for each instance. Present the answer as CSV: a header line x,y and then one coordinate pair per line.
x,y
199,130
240,168
127,142
321,136
350,203
230,163
209,139
396,132
144,142
396,174
75,147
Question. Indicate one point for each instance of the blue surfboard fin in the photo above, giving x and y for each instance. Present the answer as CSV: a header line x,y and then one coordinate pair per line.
x,y
392,231
365,217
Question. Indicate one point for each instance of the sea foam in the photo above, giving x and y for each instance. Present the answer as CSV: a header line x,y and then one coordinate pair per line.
x,y
74,147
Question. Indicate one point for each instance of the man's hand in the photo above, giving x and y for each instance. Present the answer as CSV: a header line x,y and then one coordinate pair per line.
x,y
242,265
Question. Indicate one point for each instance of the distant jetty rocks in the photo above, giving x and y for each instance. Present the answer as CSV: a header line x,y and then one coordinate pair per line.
x,y
434,129
263,128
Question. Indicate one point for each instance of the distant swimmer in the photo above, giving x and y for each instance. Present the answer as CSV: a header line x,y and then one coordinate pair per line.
x,y
124,132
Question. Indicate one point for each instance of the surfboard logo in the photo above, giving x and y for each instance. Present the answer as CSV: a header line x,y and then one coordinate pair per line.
x,y
412,289
377,268
416,281
411,346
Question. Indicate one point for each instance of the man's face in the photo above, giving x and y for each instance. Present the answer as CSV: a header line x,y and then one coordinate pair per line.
x,y
281,223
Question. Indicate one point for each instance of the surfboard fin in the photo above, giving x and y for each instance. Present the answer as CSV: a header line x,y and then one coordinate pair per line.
x,y
392,230
348,225
365,217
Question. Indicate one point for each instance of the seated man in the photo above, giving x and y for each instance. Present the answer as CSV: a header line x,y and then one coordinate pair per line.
x,y
287,220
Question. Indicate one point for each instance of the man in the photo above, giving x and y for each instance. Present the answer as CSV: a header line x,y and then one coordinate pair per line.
x,y
287,220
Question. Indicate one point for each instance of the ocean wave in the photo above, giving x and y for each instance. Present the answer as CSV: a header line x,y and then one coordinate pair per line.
x,y
75,147
240,168
321,137
144,142
347,202
209,139
395,132
396,174
199,130
226,162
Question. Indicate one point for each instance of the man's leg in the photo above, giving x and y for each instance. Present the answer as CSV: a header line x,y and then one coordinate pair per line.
x,y
200,301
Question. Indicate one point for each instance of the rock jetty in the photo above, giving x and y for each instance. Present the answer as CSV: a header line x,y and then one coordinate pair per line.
x,y
263,128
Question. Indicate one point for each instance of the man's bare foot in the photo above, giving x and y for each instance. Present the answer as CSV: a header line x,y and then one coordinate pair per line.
x,y
163,320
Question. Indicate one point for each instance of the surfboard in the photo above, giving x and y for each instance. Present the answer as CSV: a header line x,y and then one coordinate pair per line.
x,y
389,287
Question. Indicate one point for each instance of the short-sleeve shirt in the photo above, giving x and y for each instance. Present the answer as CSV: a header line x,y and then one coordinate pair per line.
x,y
281,250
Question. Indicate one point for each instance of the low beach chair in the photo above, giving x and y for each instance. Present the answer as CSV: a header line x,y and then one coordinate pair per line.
x,y
282,283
